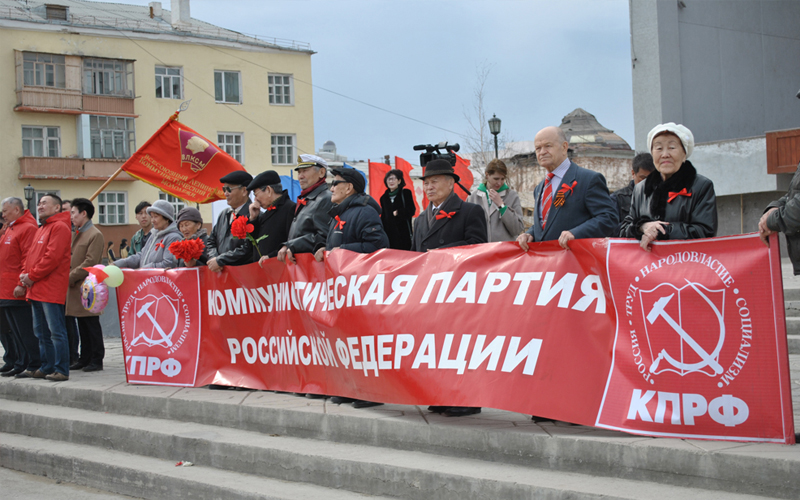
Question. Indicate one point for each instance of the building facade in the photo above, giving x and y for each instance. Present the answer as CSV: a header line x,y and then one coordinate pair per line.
x,y
93,81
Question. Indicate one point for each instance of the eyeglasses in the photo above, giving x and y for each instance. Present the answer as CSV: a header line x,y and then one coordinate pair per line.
x,y
336,183
229,189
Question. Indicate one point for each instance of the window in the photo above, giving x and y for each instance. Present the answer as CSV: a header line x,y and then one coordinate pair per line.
x,y
283,149
227,87
112,208
112,136
280,89
43,70
56,12
169,83
233,144
177,203
41,141
108,77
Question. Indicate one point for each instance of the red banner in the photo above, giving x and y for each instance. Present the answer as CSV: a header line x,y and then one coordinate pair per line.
x,y
377,172
183,163
688,340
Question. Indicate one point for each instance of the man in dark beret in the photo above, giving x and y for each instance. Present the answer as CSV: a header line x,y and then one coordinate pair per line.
x,y
447,222
273,223
223,248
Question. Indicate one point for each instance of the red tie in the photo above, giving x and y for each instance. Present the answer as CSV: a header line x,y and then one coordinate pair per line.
x,y
547,198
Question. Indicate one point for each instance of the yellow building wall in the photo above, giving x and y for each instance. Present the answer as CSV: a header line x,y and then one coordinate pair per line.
x,y
255,117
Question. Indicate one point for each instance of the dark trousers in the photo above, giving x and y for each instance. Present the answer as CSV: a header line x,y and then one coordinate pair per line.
x,y
73,336
20,319
10,349
92,349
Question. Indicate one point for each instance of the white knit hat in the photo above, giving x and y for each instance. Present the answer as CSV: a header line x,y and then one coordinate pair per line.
x,y
683,133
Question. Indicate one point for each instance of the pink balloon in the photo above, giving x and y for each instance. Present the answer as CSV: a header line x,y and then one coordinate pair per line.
x,y
94,295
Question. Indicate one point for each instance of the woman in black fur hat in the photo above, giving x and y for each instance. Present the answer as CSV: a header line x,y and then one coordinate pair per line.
x,y
674,202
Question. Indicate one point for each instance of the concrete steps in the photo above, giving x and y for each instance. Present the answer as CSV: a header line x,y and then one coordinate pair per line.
x,y
103,433
137,455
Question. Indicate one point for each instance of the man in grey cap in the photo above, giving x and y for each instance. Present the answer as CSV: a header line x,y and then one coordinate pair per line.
x,y
155,253
309,230
223,248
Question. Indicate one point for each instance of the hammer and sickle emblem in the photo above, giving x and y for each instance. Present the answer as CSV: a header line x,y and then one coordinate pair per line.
x,y
707,359
165,338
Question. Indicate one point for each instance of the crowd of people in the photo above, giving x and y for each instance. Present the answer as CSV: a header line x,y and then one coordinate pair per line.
x,y
43,264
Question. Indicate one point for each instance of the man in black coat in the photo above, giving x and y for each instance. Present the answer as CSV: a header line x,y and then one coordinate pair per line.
x,y
223,248
272,225
447,222
641,168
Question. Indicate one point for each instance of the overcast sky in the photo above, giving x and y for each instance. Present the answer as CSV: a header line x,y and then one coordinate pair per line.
x,y
420,59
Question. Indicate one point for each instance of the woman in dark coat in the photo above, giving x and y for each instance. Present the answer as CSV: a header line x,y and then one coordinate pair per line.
x,y
674,202
397,210
190,224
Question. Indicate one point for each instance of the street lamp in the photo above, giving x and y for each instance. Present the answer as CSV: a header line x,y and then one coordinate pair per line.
x,y
30,192
494,128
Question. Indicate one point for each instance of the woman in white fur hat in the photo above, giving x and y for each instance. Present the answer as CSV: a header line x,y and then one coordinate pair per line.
x,y
674,202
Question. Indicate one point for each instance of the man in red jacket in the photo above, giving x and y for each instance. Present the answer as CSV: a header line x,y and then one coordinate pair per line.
x,y
46,275
14,245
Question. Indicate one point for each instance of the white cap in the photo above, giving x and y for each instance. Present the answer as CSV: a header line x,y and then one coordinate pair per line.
x,y
683,133
304,161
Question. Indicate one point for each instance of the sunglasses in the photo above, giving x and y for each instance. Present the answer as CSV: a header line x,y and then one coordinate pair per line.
x,y
227,189
336,183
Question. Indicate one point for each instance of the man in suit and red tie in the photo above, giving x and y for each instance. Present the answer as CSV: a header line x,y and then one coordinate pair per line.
x,y
572,202
447,222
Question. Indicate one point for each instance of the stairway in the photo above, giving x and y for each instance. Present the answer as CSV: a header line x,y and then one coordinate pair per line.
x,y
97,431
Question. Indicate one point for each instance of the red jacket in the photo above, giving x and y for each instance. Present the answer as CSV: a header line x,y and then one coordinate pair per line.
x,y
47,263
14,245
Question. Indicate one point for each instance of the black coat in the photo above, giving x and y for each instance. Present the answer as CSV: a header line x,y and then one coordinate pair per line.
x,y
310,225
229,251
689,217
271,228
467,226
398,227
787,219
361,230
622,197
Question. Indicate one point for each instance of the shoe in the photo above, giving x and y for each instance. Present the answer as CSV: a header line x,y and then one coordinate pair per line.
x,y
91,368
25,374
365,404
39,374
77,366
57,377
461,411
12,372
337,400
438,409
6,367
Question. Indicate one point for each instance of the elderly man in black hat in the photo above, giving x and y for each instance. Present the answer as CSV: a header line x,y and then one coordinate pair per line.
x,y
273,223
223,248
309,229
447,222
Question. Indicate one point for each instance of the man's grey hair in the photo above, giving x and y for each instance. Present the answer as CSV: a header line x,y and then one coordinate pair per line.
x,y
13,200
562,136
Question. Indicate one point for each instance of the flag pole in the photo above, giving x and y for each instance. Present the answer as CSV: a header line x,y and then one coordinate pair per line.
x,y
183,107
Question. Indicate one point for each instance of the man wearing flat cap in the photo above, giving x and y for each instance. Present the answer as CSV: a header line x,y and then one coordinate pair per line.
x,y
223,248
273,223
309,230
447,222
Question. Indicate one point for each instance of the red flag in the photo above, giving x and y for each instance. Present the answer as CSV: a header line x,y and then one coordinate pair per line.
x,y
405,167
377,172
462,170
178,160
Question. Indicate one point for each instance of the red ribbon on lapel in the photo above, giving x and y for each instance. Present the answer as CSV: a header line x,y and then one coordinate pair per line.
x,y
339,222
300,202
160,244
442,214
682,192
271,207
565,188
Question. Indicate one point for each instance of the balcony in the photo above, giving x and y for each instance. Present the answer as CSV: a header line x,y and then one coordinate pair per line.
x,y
103,105
79,169
73,102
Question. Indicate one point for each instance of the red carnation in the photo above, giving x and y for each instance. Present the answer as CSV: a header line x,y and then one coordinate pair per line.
x,y
240,227
187,249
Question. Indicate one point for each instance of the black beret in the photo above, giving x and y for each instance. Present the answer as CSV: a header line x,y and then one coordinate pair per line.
x,y
268,178
237,177
352,176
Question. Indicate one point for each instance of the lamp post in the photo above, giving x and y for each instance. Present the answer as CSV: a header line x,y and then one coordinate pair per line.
x,y
494,128
30,192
